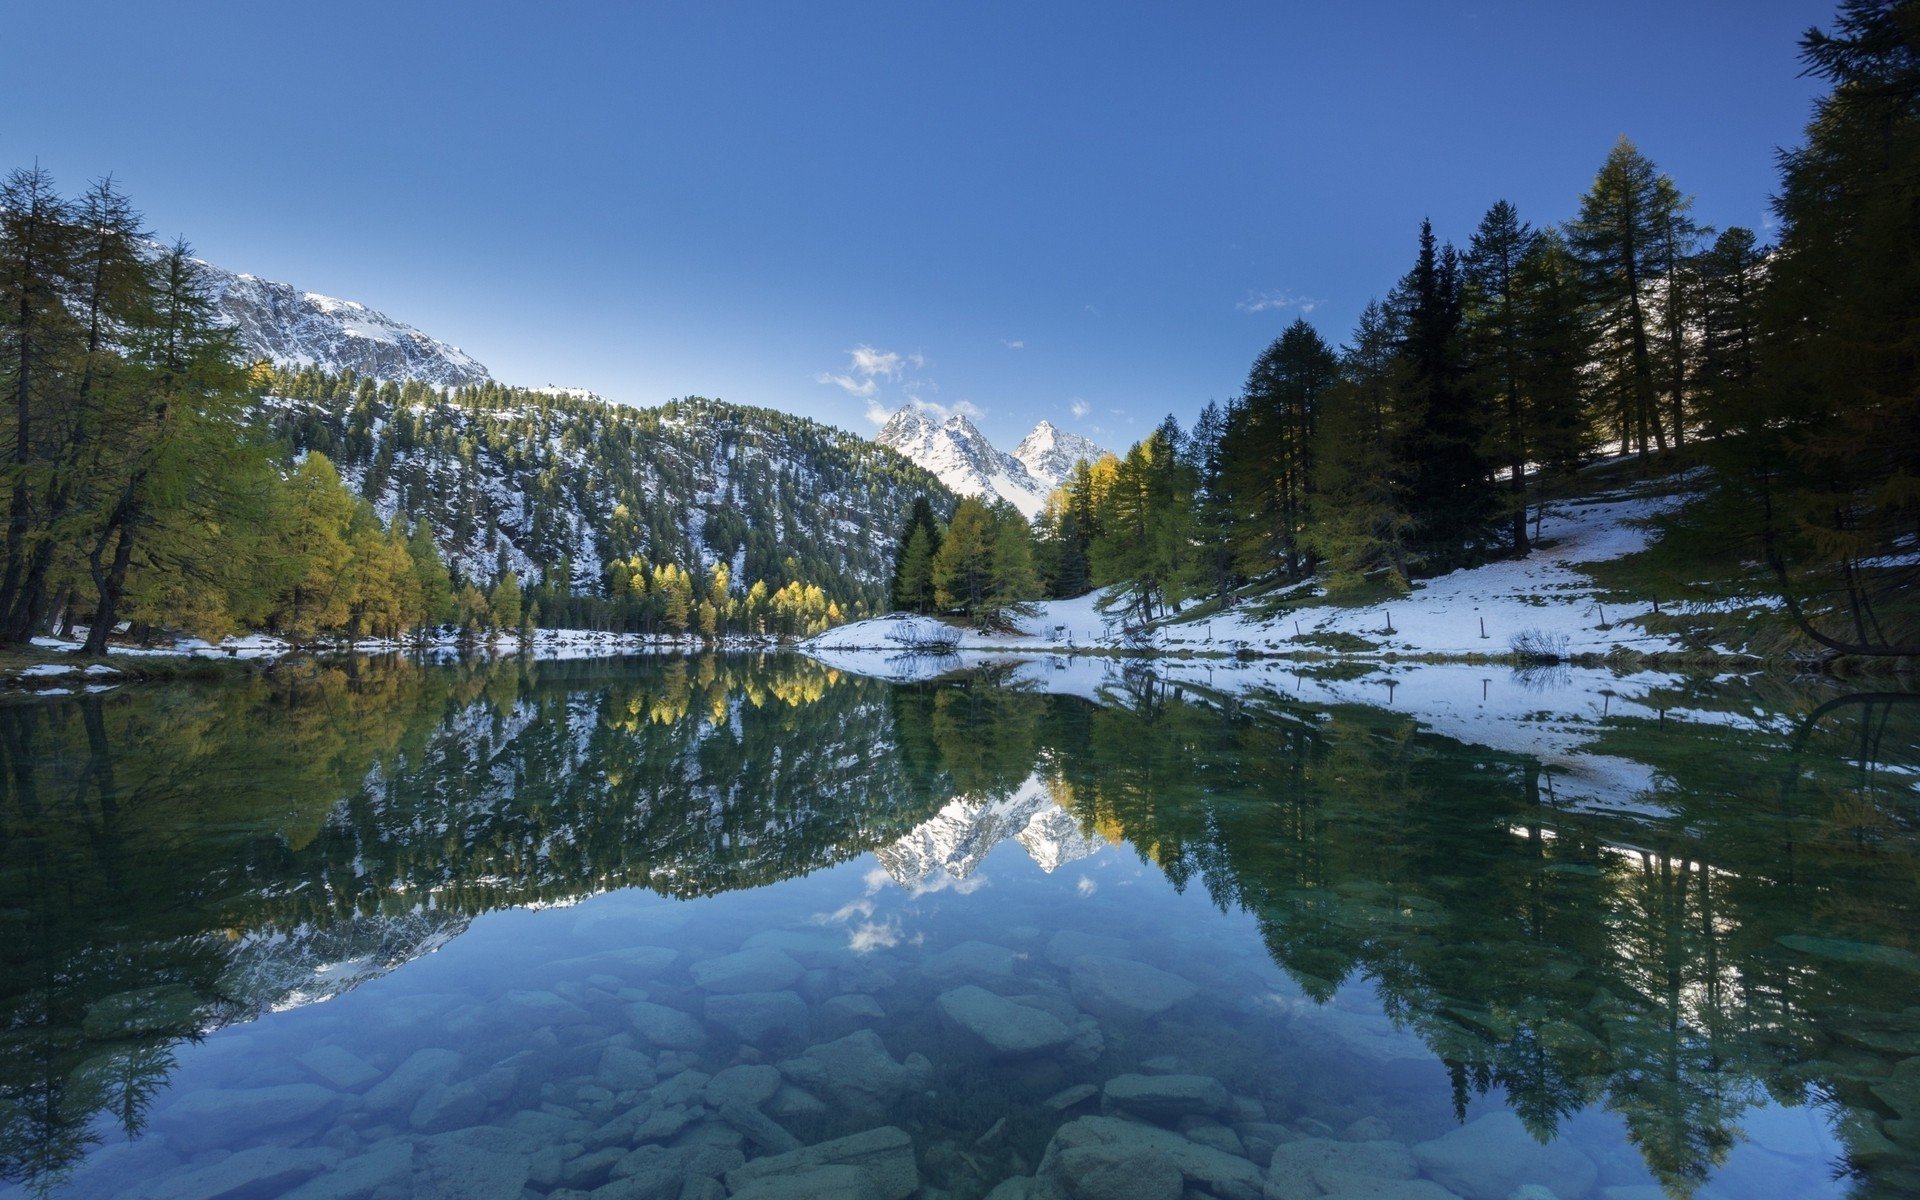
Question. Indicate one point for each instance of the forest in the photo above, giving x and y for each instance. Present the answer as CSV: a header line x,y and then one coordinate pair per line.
x,y
1471,397
158,482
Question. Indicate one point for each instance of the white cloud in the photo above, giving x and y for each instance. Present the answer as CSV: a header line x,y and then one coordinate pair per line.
x,y
1086,886
867,938
862,388
1015,344
870,362
1269,301
959,408
1079,408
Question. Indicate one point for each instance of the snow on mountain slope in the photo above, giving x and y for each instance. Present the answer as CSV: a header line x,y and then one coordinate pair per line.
x,y
305,329
954,841
1049,453
963,459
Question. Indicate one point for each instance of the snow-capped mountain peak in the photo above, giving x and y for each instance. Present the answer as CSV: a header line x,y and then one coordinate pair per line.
x,y
292,328
964,459
1049,453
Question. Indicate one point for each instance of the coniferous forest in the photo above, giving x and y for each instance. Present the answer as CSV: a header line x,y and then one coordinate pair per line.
x,y
1469,398
157,480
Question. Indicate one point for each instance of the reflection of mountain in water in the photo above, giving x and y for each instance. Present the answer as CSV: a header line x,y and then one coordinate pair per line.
x,y
177,860
955,840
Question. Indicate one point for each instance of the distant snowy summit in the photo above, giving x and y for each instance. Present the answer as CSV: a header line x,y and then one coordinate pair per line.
x,y
291,328
961,457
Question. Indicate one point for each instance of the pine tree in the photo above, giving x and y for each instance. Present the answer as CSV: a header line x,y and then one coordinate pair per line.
x,y
1266,450
1833,487
1443,472
921,521
1013,583
1359,530
1495,316
1617,238
963,566
913,585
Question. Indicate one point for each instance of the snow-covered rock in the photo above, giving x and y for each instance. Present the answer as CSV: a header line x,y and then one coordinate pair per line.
x,y
292,328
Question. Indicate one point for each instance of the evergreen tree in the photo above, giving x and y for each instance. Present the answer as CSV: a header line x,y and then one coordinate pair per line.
x,y
913,587
1442,470
1014,582
1832,484
963,566
1618,238
1359,531
1495,329
915,595
1266,451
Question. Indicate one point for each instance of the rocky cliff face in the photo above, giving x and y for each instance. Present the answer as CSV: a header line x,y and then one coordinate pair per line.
x,y
292,328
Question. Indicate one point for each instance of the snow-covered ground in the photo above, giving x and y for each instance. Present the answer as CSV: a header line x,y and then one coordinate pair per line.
x,y
1474,612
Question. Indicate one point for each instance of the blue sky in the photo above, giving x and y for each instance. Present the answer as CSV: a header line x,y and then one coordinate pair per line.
x,y
1095,213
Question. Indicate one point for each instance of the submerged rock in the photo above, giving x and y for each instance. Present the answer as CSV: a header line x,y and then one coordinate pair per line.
x,y
400,1091
339,1068
218,1117
760,1018
1224,1175
971,962
1005,1028
749,1085
1314,1166
1493,1156
453,1170
1167,1098
1115,1172
842,1183
388,1164
856,1071
1122,987
261,1171
761,969
883,1155
668,1028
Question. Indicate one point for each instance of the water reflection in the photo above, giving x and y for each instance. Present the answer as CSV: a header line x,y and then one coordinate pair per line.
x,y
175,861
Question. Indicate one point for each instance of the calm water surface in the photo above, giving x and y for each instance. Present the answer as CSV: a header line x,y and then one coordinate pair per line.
x,y
695,928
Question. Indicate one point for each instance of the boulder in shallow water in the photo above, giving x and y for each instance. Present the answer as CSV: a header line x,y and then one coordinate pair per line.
x,y
667,1028
761,969
856,1071
1069,944
1224,1175
841,1183
1122,987
261,1171
1490,1158
1006,1029
749,1085
885,1155
1315,1166
215,1117
339,1068
387,1164
971,962
400,1091
445,1107
1167,1098
1116,1172
451,1170
760,1019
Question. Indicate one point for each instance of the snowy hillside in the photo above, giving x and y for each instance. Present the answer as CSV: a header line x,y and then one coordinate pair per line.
x,y
291,328
540,482
961,457
1480,611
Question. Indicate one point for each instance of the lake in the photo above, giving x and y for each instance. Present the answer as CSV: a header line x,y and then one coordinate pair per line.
x,y
692,928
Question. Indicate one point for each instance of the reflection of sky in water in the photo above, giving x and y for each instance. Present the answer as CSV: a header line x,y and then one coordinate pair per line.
x,y
1310,1064
1380,940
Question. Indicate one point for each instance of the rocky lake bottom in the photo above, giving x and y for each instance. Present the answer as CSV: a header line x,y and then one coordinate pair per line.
x,y
994,985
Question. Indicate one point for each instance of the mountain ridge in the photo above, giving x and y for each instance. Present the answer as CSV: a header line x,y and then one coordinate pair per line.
x,y
954,451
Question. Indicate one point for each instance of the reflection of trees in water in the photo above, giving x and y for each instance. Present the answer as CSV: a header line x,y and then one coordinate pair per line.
x,y
174,860
1564,957
1676,969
